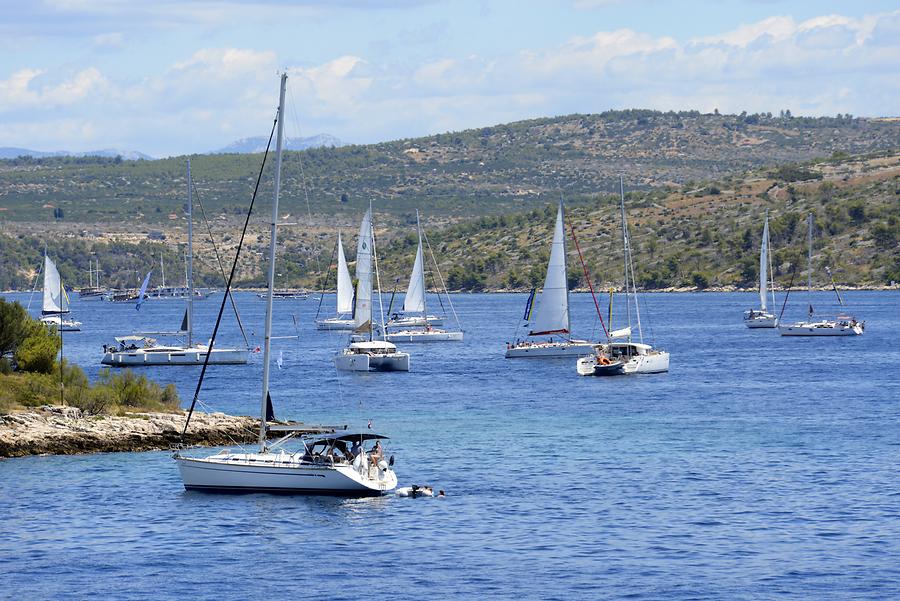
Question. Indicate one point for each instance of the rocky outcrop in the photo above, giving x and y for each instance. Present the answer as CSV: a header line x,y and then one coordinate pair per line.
x,y
53,430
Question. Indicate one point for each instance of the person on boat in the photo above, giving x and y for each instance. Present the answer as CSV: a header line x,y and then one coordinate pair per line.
x,y
377,453
355,449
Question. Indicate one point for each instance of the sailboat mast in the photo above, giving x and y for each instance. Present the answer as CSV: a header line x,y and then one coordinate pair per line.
x,y
565,272
190,258
771,271
424,295
267,345
625,250
809,266
377,277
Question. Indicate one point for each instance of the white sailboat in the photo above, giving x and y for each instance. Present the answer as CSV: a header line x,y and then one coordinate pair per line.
x,y
141,350
333,464
414,305
842,325
342,319
56,300
552,315
762,318
621,355
369,354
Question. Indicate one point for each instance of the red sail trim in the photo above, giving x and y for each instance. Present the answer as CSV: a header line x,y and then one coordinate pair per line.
x,y
562,331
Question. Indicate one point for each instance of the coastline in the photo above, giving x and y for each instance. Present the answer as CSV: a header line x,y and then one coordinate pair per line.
x,y
59,430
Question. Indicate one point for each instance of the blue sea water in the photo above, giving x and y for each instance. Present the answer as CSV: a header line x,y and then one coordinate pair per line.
x,y
759,467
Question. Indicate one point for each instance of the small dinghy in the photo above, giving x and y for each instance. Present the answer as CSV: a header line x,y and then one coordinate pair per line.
x,y
415,491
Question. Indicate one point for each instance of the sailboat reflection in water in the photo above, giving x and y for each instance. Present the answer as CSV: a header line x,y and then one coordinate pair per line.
x,y
336,464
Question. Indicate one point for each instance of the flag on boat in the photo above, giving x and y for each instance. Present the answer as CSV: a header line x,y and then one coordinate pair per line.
x,y
529,305
143,291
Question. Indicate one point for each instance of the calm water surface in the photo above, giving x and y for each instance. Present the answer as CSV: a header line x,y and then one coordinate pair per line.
x,y
760,466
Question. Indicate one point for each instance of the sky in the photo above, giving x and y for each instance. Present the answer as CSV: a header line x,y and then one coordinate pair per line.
x,y
172,77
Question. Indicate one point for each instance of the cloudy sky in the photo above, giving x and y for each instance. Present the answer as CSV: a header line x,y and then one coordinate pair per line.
x,y
169,77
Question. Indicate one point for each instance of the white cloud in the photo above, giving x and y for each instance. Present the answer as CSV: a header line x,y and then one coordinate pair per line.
x,y
22,90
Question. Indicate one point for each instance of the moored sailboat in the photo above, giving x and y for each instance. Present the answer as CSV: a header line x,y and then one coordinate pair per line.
x,y
332,464
552,315
761,318
56,300
342,319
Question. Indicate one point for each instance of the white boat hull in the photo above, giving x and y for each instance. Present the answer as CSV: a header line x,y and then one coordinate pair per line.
x,y
140,357
62,325
334,323
821,329
655,362
764,320
424,336
550,350
280,473
372,362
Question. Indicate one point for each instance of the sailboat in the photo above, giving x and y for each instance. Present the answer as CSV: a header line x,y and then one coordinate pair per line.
x,y
621,355
370,353
842,325
139,349
762,318
552,315
342,319
92,291
414,304
56,300
333,464
175,292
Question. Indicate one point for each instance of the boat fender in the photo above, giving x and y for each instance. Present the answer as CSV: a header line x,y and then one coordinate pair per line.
x,y
603,361
382,465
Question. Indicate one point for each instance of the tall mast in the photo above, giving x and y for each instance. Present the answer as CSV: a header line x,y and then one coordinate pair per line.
x,y
809,308
565,270
162,268
625,250
267,345
190,258
424,291
377,279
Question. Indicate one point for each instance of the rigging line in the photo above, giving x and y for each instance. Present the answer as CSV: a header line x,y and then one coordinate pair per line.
x,y
237,255
378,279
314,247
237,315
36,278
587,277
325,281
791,285
437,270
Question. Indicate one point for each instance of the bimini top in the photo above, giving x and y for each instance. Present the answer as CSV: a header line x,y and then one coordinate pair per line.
x,y
373,345
134,339
361,436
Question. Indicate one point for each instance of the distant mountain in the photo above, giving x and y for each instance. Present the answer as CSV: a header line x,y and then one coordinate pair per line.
x,y
9,152
258,144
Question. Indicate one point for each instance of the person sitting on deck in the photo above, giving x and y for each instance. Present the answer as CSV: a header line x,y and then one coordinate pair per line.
x,y
377,453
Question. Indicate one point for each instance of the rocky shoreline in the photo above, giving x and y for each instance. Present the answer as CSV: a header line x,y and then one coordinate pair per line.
x,y
55,430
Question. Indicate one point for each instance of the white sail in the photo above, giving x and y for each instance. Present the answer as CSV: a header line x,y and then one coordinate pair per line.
x,y
553,306
764,265
363,315
344,283
621,333
415,293
55,298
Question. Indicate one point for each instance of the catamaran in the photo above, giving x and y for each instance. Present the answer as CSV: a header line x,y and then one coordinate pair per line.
x,y
370,353
621,355
56,300
414,305
842,325
552,314
343,319
761,318
141,350
330,464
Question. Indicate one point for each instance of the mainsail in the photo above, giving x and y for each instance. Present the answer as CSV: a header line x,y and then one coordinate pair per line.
x,y
55,298
363,313
415,293
553,306
764,265
344,283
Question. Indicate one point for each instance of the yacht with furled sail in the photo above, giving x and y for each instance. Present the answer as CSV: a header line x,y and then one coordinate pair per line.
x,y
141,350
56,300
621,354
93,291
414,304
326,464
761,318
551,317
343,318
842,325
366,352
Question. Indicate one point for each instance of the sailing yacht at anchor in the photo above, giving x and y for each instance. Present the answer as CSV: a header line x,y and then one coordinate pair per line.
x,y
56,300
342,319
762,318
553,310
329,464
625,357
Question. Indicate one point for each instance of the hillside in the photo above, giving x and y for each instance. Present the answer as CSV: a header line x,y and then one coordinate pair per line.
x,y
691,235
459,175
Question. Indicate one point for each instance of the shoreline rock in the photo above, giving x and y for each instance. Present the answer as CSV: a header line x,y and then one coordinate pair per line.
x,y
54,430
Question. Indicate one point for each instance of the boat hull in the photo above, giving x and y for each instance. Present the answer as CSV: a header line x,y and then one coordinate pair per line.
x,y
140,357
763,321
262,473
333,323
550,350
411,322
652,363
372,362
814,330
424,336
